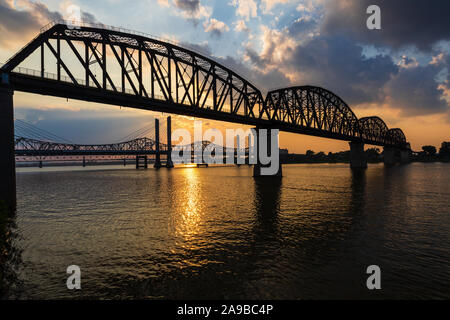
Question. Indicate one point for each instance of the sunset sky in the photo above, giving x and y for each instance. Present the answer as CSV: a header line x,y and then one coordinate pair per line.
x,y
400,73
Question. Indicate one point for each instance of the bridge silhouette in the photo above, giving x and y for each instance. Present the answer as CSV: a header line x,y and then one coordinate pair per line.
x,y
141,72
32,143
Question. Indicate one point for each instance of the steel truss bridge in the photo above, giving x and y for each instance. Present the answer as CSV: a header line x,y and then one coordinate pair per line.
x,y
31,141
27,147
107,65
136,71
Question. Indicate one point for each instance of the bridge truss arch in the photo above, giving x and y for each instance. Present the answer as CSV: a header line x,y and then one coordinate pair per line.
x,y
373,129
33,147
114,66
314,108
97,63
396,137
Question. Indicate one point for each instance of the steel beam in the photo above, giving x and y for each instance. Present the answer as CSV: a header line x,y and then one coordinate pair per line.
x,y
7,159
157,155
169,163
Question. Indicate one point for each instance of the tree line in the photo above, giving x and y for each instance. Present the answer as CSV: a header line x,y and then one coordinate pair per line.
x,y
373,155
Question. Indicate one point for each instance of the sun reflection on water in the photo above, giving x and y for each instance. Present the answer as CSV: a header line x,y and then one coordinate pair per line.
x,y
188,215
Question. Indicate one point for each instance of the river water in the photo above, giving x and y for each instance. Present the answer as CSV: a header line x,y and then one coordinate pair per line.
x,y
217,233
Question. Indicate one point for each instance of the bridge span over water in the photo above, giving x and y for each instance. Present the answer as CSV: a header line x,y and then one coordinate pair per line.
x,y
108,65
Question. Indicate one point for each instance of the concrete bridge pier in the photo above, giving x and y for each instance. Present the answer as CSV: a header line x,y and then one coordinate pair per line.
x,y
237,157
258,166
138,162
169,163
158,154
405,156
358,158
7,158
389,156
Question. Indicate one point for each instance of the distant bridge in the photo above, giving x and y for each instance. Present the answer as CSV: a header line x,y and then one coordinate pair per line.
x,y
137,71
48,146
27,147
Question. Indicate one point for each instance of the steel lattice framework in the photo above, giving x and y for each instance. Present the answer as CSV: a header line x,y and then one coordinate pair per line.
x,y
141,146
374,129
315,108
32,147
396,137
118,67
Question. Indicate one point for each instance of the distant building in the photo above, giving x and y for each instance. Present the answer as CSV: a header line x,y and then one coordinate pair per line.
x,y
445,149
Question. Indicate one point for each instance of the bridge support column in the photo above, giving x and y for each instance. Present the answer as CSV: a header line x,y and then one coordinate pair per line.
x,y
258,166
138,162
7,159
358,158
169,163
405,156
236,152
158,154
389,156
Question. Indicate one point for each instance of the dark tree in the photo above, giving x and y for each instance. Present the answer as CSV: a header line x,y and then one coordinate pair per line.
x,y
373,154
429,150
445,149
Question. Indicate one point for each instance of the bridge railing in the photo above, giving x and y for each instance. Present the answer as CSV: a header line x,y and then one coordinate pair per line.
x,y
54,76
77,24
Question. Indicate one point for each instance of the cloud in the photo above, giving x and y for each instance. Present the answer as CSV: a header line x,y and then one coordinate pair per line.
x,y
301,25
408,62
305,7
268,5
277,45
163,3
241,26
201,48
188,5
73,12
335,63
416,90
192,9
263,80
245,8
339,65
215,27
22,22
86,125
404,22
